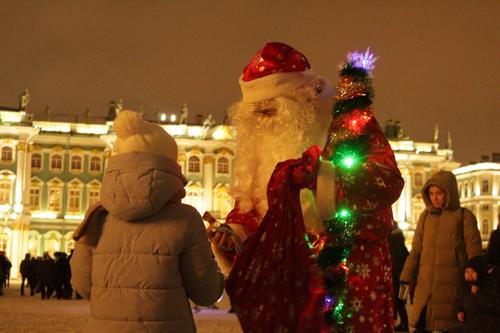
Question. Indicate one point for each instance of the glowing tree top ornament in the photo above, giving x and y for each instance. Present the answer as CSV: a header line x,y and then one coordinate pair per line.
x,y
362,60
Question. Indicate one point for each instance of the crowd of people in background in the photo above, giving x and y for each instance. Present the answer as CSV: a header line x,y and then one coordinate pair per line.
x,y
50,277
5,266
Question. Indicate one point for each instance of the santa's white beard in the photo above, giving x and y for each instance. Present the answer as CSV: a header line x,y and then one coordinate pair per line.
x,y
263,141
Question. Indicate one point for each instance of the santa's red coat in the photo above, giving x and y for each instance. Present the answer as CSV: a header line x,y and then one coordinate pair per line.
x,y
370,191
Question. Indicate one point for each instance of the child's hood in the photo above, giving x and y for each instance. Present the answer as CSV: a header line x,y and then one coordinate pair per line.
x,y
139,184
478,264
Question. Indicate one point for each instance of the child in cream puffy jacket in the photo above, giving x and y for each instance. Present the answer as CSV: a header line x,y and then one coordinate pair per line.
x,y
140,253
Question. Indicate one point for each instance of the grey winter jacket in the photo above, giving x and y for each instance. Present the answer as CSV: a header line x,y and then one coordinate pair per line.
x,y
141,264
443,242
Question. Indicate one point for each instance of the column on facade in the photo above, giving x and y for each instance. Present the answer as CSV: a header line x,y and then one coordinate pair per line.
x,y
408,193
208,181
402,208
21,200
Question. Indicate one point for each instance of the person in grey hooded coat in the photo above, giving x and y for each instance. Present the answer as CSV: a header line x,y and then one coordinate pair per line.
x,y
141,254
445,238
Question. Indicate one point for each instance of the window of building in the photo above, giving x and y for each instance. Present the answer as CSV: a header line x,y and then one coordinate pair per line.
x,y
194,195
52,242
94,196
76,163
5,192
223,202
55,198
466,189
95,164
223,165
35,198
4,240
485,228
36,162
74,200
418,179
7,154
485,187
485,207
194,164
56,162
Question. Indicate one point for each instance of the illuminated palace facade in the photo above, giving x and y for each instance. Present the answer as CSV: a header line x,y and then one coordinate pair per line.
x,y
51,171
479,188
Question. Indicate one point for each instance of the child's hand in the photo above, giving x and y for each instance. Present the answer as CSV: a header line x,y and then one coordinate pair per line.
x,y
474,289
461,317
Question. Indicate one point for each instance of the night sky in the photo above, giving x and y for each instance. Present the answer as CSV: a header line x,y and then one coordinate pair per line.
x,y
439,60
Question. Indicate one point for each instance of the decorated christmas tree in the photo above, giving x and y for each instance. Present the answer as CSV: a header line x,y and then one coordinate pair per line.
x,y
364,164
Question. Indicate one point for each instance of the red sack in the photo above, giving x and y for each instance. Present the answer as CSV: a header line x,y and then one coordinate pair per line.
x,y
275,284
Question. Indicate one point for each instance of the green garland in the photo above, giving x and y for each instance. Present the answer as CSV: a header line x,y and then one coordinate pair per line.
x,y
350,152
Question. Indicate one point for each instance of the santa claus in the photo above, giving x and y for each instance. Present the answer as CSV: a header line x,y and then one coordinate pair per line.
x,y
285,109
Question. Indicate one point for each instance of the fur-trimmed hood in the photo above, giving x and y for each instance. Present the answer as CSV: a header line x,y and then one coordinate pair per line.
x,y
447,182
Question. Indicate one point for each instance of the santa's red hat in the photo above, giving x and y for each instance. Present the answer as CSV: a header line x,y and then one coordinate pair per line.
x,y
274,70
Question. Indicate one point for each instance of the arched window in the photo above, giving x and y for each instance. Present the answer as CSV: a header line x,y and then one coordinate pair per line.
x,y
74,200
223,165
6,186
34,243
35,198
6,154
76,163
223,201
56,162
52,242
94,195
194,195
5,191
194,164
55,187
485,188
36,162
95,164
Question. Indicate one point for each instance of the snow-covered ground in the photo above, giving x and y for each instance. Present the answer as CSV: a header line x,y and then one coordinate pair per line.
x,y
31,314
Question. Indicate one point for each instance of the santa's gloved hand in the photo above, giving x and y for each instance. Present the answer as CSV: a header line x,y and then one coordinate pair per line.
x,y
222,236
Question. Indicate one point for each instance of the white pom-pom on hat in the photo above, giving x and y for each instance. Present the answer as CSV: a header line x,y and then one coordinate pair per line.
x,y
133,134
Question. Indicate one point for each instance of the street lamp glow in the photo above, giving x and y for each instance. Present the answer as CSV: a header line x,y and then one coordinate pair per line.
x,y
163,117
5,208
18,208
173,118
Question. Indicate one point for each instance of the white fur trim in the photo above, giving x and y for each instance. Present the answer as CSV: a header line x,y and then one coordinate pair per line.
x,y
325,190
312,221
273,85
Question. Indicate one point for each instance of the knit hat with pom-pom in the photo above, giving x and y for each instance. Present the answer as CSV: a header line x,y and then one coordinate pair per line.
x,y
133,134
